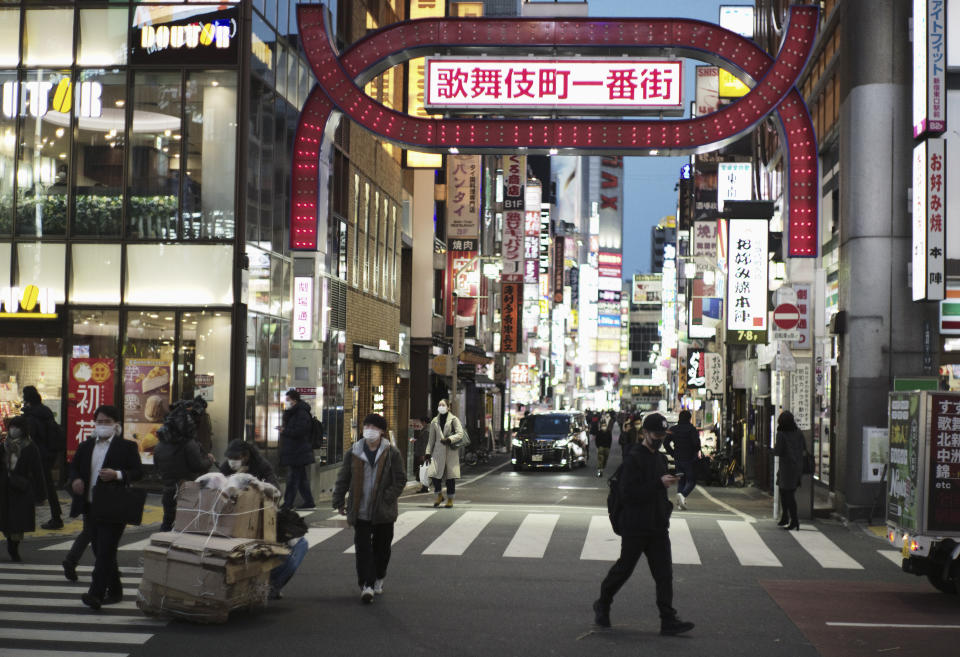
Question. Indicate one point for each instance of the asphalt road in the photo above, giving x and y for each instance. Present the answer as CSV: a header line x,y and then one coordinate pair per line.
x,y
513,569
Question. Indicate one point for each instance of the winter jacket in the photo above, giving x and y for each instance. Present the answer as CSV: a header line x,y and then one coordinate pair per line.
x,y
44,431
628,438
18,485
257,466
295,448
790,447
682,442
374,487
445,459
179,458
646,509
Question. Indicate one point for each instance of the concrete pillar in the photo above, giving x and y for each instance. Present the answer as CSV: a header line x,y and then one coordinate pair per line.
x,y
882,338
421,299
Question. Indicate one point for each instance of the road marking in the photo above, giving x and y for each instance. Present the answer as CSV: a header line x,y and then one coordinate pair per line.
x,y
35,577
82,617
73,636
136,546
26,652
458,536
738,512
682,547
747,544
19,603
533,536
66,545
824,550
904,626
133,570
601,543
317,535
76,588
893,555
485,474
406,523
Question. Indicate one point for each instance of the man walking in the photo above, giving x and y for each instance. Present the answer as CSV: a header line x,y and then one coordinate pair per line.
x,y
683,444
49,439
644,522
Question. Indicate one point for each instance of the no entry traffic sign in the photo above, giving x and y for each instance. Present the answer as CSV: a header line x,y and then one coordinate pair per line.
x,y
786,316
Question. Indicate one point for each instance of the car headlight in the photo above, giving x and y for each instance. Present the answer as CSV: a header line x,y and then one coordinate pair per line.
x,y
516,442
560,444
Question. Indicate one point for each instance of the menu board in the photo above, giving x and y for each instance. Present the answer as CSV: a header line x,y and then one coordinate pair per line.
x,y
903,500
90,384
943,508
146,400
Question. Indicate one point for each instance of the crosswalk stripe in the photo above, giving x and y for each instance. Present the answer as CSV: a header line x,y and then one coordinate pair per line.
x,y
138,545
682,547
66,545
82,617
27,652
21,567
37,577
824,550
601,543
406,523
317,535
458,536
73,636
19,603
893,555
78,588
532,537
747,544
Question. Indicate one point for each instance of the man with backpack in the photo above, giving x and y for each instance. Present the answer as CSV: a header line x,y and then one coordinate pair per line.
x,y
47,435
178,456
640,514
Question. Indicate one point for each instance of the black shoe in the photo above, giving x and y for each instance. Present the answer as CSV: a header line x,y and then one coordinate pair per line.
x,y
53,523
674,626
601,614
112,598
784,521
793,525
91,601
69,570
13,549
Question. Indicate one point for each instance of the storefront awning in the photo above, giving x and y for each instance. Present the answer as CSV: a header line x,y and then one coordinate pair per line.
x,y
373,353
471,358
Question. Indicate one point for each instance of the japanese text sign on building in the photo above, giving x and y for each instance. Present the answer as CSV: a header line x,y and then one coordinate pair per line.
x,y
929,219
800,394
747,275
929,67
943,510
514,220
705,240
805,306
713,366
497,83
90,384
463,201
511,318
303,308
696,369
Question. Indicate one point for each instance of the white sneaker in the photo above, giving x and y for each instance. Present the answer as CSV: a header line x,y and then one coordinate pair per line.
x,y
681,502
378,587
366,595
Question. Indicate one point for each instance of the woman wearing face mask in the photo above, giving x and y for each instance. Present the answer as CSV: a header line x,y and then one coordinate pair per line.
x,y
21,474
245,457
373,473
443,451
295,450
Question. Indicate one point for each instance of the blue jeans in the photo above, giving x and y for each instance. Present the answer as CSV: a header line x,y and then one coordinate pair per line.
x,y
280,575
689,481
297,482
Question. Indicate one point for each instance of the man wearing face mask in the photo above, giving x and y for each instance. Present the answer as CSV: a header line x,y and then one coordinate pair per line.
x,y
296,452
374,475
644,522
242,456
110,462
443,451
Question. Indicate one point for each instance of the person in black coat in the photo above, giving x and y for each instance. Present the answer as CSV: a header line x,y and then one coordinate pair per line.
x,y
790,447
21,474
296,452
178,457
242,456
48,437
644,522
683,444
106,464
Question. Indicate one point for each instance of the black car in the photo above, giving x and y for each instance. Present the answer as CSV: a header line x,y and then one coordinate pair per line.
x,y
551,440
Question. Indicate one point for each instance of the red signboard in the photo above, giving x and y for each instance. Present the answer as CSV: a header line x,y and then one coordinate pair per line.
x,y
90,383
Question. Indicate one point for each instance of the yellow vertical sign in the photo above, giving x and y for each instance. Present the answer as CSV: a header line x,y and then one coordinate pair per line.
x,y
415,83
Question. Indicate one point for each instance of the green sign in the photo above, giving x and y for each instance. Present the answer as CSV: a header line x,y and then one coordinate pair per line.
x,y
905,427
917,383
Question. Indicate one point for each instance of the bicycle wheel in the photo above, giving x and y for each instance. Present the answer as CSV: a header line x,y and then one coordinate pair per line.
x,y
470,458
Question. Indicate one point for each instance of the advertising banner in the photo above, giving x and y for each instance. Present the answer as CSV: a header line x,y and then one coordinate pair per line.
x,y
557,269
929,220
708,89
943,508
463,268
514,180
905,428
705,240
511,319
747,280
185,34
146,400
713,366
800,394
696,368
734,182
646,289
90,383
929,66
463,201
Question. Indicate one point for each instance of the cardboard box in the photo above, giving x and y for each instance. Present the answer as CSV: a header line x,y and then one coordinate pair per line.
x,y
158,600
247,515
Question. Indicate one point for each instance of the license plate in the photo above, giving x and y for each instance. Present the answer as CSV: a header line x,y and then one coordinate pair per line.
x,y
537,457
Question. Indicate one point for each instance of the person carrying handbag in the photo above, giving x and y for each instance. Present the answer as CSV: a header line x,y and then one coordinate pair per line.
x,y
443,451
100,473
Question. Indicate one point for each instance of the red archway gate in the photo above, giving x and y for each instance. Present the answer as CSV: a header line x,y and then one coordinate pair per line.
x,y
340,78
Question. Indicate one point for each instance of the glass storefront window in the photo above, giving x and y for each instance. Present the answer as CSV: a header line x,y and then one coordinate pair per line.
x,y
203,367
31,361
211,144
48,37
155,156
95,273
44,265
8,147
42,173
98,154
103,37
179,274
264,50
9,36
266,377
6,249
147,389
258,286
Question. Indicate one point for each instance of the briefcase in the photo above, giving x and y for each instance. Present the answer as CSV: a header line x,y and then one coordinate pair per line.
x,y
118,504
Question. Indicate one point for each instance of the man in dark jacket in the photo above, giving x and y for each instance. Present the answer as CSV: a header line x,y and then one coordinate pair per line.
x,y
644,522
48,438
242,456
178,457
110,462
296,452
603,440
683,444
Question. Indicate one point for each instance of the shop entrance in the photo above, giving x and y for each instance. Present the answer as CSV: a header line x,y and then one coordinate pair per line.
x,y
31,354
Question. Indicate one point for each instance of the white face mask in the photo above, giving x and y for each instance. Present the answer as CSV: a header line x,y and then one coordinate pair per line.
x,y
288,404
104,430
371,435
16,433
442,409
235,464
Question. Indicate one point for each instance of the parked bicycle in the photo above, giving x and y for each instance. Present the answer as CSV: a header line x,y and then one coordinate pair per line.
x,y
475,455
725,466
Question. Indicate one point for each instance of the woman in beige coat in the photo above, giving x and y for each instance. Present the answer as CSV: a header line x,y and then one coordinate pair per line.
x,y
443,451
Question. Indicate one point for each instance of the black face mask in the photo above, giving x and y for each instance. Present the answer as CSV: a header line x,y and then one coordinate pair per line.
x,y
655,443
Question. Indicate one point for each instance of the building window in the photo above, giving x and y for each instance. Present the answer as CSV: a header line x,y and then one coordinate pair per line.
x,y
203,367
365,253
356,229
373,246
148,350
103,37
8,143
48,37
95,273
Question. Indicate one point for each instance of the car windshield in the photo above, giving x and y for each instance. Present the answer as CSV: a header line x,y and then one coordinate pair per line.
x,y
548,424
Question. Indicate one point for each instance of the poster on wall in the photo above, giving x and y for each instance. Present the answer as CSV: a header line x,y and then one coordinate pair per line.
x,y
902,497
876,449
90,383
146,400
